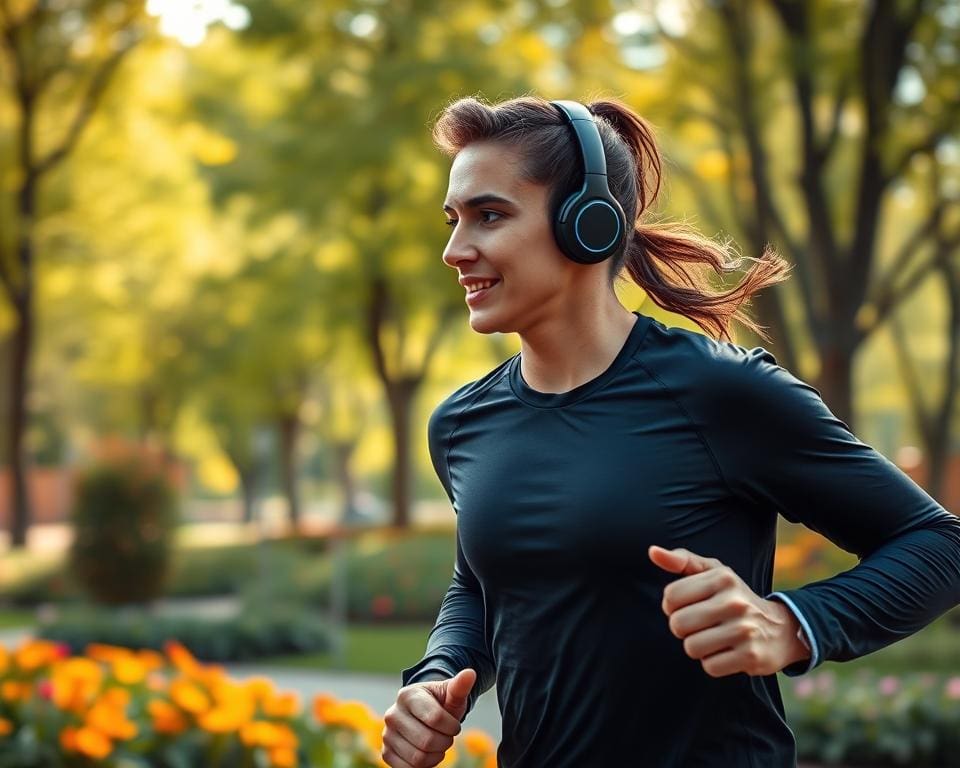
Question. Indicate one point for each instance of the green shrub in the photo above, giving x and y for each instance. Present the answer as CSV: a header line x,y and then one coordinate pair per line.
x,y
123,522
391,576
255,633
871,720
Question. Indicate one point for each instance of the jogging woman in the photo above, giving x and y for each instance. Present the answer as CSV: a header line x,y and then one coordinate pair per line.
x,y
617,483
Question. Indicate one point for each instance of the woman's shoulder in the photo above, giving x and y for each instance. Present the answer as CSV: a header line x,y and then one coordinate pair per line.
x,y
457,401
695,363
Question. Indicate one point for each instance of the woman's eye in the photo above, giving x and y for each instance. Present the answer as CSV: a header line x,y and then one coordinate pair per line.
x,y
484,217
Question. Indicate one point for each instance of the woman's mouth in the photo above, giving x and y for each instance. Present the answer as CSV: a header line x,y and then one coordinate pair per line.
x,y
480,291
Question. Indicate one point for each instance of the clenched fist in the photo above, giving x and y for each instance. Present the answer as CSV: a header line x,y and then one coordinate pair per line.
x,y
421,724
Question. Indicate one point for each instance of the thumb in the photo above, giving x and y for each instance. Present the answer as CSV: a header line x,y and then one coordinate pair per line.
x,y
457,690
680,560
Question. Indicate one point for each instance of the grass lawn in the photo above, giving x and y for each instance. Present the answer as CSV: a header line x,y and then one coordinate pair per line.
x,y
374,649
15,618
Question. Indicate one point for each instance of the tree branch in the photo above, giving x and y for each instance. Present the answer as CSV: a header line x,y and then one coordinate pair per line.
x,y
85,111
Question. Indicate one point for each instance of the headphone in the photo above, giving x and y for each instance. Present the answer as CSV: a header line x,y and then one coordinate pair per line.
x,y
590,225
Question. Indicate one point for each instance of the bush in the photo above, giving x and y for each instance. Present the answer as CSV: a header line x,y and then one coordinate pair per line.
x,y
873,720
391,576
123,522
257,632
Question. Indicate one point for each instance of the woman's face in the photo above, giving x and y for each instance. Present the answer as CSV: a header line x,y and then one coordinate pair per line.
x,y
501,231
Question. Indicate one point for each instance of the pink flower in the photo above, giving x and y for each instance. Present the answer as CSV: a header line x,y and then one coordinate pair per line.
x,y
804,688
382,605
825,682
889,685
953,688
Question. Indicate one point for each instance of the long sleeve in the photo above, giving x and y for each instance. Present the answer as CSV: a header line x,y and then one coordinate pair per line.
x,y
777,445
456,641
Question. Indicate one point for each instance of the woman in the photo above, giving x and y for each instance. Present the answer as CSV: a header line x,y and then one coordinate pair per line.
x,y
617,483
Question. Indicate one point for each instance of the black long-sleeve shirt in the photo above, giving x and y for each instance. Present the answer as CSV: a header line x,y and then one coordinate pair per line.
x,y
683,441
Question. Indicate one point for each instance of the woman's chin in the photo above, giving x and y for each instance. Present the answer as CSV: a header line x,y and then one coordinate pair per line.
x,y
484,322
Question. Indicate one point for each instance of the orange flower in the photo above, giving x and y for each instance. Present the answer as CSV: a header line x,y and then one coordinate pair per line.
x,y
182,659
449,759
35,654
92,743
129,670
478,743
263,733
6,727
104,652
151,659
74,682
188,696
226,717
109,719
15,690
322,704
68,738
166,717
285,704
283,757
4,659
261,688
353,714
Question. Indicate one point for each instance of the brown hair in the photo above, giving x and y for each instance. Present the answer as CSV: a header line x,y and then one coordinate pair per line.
x,y
537,129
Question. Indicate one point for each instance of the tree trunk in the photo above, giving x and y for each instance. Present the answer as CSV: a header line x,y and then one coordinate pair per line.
x,y
248,488
342,452
23,335
401,393
22,342
289,427
834,382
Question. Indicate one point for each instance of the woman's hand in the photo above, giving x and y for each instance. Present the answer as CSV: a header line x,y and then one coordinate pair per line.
x,y
722,621
419,727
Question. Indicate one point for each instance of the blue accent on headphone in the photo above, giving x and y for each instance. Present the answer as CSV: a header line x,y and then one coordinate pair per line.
x,y
602,233
616,235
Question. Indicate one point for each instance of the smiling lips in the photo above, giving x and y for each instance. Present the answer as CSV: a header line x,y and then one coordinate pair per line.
x,y
478,290
477,285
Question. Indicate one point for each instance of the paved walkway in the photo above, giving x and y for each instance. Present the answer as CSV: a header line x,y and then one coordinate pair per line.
x,y
377,691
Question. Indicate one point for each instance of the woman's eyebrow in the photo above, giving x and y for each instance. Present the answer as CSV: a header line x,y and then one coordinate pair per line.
x,y
479,200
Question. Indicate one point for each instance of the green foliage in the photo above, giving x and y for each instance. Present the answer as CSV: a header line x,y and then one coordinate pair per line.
x,y
390,576
869,720
256,632
123,523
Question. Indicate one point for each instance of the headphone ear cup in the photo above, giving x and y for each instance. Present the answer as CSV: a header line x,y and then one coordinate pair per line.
x,y
589,231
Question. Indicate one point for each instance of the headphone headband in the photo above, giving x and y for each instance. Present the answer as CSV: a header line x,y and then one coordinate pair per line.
x,y
588,137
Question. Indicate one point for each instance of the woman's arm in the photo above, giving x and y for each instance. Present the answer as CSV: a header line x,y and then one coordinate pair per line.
x,y
456,641
778,446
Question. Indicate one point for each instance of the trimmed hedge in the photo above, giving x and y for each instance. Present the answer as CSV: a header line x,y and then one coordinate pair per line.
x,y
256,633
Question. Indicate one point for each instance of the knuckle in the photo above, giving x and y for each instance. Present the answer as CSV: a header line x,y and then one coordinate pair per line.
x,y
726,576
674,628
434,718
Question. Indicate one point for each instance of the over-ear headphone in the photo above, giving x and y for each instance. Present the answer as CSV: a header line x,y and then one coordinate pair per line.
x,y
590,225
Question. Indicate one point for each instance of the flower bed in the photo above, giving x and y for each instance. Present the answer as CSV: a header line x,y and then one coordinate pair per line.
x,y
126,708
876,720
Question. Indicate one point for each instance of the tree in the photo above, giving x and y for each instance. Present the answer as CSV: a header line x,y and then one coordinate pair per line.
x,y
863,114
54,54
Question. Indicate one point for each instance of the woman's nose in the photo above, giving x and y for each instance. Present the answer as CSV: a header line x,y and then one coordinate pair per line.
x,y
458,249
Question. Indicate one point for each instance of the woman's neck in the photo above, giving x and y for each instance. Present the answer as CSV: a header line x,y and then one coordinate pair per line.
x,y
562,353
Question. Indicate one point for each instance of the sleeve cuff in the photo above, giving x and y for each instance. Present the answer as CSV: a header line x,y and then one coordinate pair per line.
x,y
800,667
